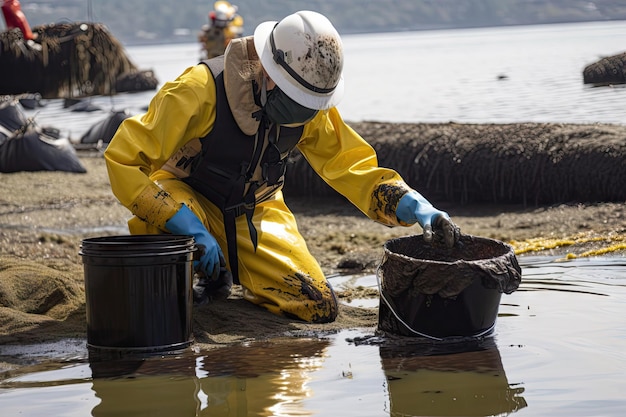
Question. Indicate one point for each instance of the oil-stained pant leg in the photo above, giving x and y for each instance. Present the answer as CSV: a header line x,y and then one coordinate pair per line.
x,y
281,275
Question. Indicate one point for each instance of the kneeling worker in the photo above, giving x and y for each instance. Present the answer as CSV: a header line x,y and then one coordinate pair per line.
x,y
208,159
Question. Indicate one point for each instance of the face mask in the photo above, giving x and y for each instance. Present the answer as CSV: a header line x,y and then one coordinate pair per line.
x,y
282,110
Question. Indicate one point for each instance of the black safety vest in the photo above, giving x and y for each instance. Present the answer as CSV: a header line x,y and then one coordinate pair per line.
x,y
223,171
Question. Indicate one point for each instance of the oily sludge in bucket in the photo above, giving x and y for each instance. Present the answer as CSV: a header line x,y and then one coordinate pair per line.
x,y
429,290
138,292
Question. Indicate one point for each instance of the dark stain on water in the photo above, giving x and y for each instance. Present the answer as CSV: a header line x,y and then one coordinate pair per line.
x,y
557,350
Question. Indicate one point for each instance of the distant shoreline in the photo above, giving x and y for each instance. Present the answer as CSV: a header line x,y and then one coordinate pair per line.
x,y
192,38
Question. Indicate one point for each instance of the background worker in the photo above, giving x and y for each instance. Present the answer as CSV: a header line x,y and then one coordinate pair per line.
x,y
208,159
224,25
15,18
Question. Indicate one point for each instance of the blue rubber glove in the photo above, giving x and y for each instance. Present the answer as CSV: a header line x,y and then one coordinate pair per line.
x,y
413,207
185,222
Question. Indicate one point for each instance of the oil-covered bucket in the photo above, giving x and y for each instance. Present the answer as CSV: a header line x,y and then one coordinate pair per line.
x,y
138,292
429,290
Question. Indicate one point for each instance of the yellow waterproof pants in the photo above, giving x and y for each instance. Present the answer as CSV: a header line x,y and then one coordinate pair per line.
x,y
281,275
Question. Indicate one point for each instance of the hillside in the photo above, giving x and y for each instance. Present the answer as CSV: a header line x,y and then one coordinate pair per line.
x,y
152,21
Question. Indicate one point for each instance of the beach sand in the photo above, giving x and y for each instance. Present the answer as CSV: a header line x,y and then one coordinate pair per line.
x,y
45,215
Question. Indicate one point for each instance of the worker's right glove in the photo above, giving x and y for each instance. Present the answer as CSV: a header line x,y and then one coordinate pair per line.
x,y
185,222
413,207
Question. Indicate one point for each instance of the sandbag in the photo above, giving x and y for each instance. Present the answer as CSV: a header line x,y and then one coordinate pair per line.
x,y
103,131
24,146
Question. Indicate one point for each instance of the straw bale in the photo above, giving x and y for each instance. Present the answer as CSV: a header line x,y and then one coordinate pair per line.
x,y
525,163
606,71
73,59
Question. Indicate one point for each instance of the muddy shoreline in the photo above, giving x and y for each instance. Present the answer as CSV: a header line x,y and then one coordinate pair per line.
x,y
45,215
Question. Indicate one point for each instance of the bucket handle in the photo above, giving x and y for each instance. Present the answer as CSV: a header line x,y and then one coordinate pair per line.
x,y
397,316
393,310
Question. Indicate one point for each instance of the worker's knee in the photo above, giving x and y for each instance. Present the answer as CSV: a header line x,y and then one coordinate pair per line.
x,y
313,302
323,310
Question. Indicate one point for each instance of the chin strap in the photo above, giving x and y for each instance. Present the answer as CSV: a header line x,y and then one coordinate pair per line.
x,y
264,92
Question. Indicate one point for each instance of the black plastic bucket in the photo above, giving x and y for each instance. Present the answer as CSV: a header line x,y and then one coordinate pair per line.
x,y
437,292
138,292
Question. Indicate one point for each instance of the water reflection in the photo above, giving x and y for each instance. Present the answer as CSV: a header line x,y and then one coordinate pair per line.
x,y
153,386
277,378
464,379
260,378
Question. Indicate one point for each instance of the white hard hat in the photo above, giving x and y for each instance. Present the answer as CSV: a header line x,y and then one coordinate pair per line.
x,y
303,55
225,10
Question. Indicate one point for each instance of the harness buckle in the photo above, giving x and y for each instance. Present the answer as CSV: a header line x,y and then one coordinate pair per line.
x,y
237,210
240,209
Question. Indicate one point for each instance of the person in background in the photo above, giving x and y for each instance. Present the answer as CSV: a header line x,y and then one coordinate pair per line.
x,y
208,159
224,25
15,18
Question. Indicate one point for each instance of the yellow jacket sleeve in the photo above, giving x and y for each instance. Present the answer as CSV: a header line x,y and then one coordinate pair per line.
x,y
180,111
343,159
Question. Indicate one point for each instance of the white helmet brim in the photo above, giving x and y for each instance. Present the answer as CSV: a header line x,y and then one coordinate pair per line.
x,y
290,86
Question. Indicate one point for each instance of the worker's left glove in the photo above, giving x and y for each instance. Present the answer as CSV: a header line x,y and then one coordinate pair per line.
x,y
413,207
206,289
185,222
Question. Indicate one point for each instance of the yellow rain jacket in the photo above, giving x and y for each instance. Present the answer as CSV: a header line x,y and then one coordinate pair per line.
x,y
145,162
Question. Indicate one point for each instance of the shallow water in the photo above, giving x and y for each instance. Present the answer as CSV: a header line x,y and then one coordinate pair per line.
x,y
558,350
